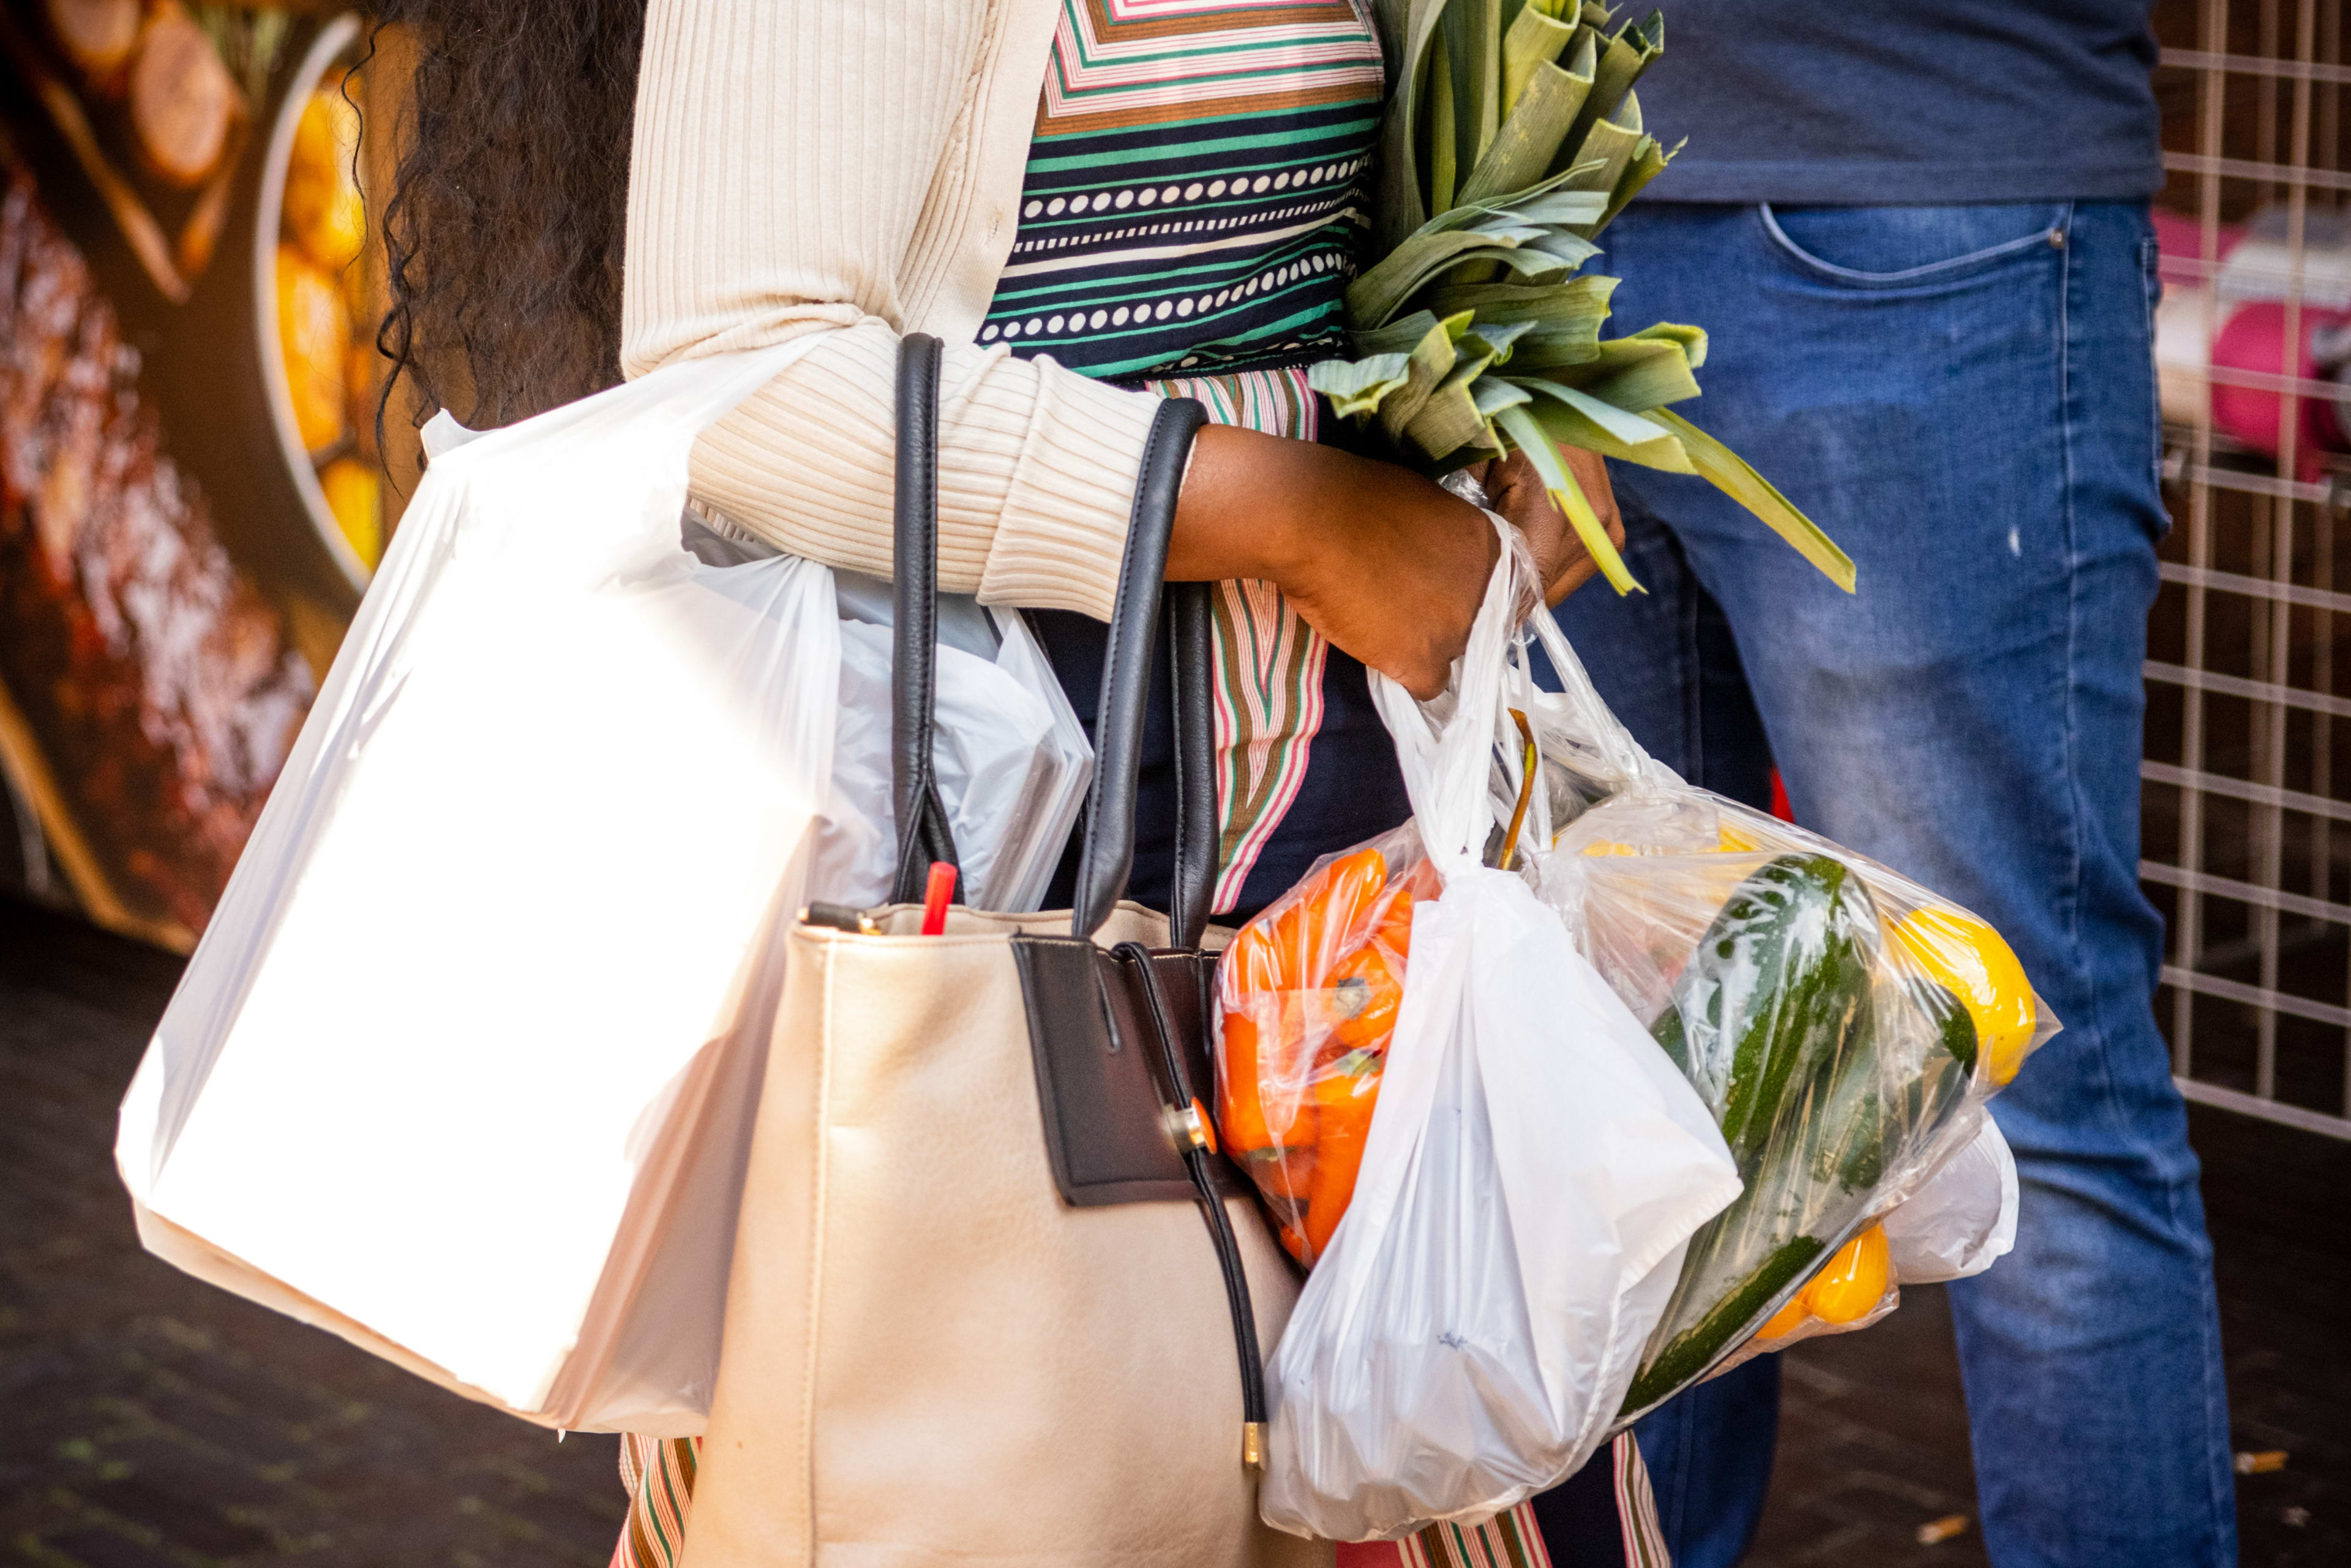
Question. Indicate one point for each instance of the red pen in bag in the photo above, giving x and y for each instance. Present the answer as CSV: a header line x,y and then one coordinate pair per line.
x,y
936,897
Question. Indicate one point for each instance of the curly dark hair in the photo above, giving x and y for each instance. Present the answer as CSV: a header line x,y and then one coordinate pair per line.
x,y
504,227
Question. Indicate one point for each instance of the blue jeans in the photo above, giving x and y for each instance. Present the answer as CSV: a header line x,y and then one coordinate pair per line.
x,y
1964,398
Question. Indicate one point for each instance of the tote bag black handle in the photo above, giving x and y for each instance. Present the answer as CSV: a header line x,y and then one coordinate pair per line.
x,y
922,832
1107,854
1120,1038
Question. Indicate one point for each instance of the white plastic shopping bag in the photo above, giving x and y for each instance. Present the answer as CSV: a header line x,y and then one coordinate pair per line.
x,y
1962,1218
462,1069
1534,1169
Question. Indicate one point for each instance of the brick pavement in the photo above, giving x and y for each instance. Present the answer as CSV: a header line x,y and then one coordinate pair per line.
x,y
153,1422
1873,1444
1873,1436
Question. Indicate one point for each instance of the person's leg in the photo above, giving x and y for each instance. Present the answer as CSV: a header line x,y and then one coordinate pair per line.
x,y
1709,1451
1665,662
1963,398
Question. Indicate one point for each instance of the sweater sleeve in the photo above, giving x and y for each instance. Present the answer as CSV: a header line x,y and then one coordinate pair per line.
x,y
805,166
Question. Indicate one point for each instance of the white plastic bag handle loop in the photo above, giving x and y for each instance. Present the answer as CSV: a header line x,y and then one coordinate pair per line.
x,y
687,397
1445,747
1594,723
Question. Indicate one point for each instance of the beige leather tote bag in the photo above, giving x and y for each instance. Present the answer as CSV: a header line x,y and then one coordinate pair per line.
x,y
995,1300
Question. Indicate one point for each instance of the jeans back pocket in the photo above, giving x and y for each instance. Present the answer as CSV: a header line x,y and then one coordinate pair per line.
x,y
1910,247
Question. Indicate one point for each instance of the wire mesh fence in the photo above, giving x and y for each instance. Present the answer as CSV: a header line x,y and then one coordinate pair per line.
x,y
2246,842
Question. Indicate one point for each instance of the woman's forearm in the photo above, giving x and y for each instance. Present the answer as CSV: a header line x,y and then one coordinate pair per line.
x,y
1257,505
1377,558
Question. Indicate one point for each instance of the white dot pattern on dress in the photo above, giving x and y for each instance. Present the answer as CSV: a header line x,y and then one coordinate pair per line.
x,y
1227,254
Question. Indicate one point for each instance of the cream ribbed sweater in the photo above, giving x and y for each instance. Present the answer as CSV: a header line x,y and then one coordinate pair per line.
x,y
853,167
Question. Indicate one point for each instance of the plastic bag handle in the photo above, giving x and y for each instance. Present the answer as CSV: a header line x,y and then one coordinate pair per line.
x,y
924,836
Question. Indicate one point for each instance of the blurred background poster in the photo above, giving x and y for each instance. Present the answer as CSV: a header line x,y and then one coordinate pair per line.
x,y
190,490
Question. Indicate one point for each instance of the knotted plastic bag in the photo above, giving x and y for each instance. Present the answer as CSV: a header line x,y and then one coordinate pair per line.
x,y
1531,1171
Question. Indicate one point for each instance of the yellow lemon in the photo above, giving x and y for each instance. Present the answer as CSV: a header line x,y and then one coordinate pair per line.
x,y
1969,958
355,496
1850,1288
1787,1320
313,334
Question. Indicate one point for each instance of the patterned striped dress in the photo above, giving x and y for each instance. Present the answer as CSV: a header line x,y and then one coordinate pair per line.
x,y
1190,217
1189,222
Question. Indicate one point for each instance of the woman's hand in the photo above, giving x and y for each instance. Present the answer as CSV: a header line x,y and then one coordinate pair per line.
x,y
1378,559
1515,490
1383,562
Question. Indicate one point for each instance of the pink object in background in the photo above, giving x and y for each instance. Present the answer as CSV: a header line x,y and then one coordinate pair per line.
x,y
2254,339
2240,301
2181,246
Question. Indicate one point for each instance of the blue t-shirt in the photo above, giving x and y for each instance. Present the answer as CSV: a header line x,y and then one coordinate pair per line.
x,y
1905,102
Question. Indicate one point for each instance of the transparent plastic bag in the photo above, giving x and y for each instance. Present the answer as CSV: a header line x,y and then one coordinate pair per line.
x,y
1961,1221
1307,1000
1531,1168
1843,1023
1011,760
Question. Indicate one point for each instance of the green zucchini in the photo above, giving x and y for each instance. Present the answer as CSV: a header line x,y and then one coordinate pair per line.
x,y
1955,1026
1775,1020
1667,1032
1926,1102
1693,1350
1775,989
1860,1128
1780,988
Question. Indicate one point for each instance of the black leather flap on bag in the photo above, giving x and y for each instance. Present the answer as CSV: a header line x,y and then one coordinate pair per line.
x,y
1102,1079
1107,1073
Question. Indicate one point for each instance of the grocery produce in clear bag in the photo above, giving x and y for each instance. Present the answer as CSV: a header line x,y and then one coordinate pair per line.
x,y
1491,1168
1843,1024
1307,997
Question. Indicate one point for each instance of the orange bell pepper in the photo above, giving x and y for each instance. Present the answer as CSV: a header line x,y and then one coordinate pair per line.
x,y
1311,933
1245,1120
1252,963
1240,1108
1370,993
1292,952
1345,1100
1252,967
